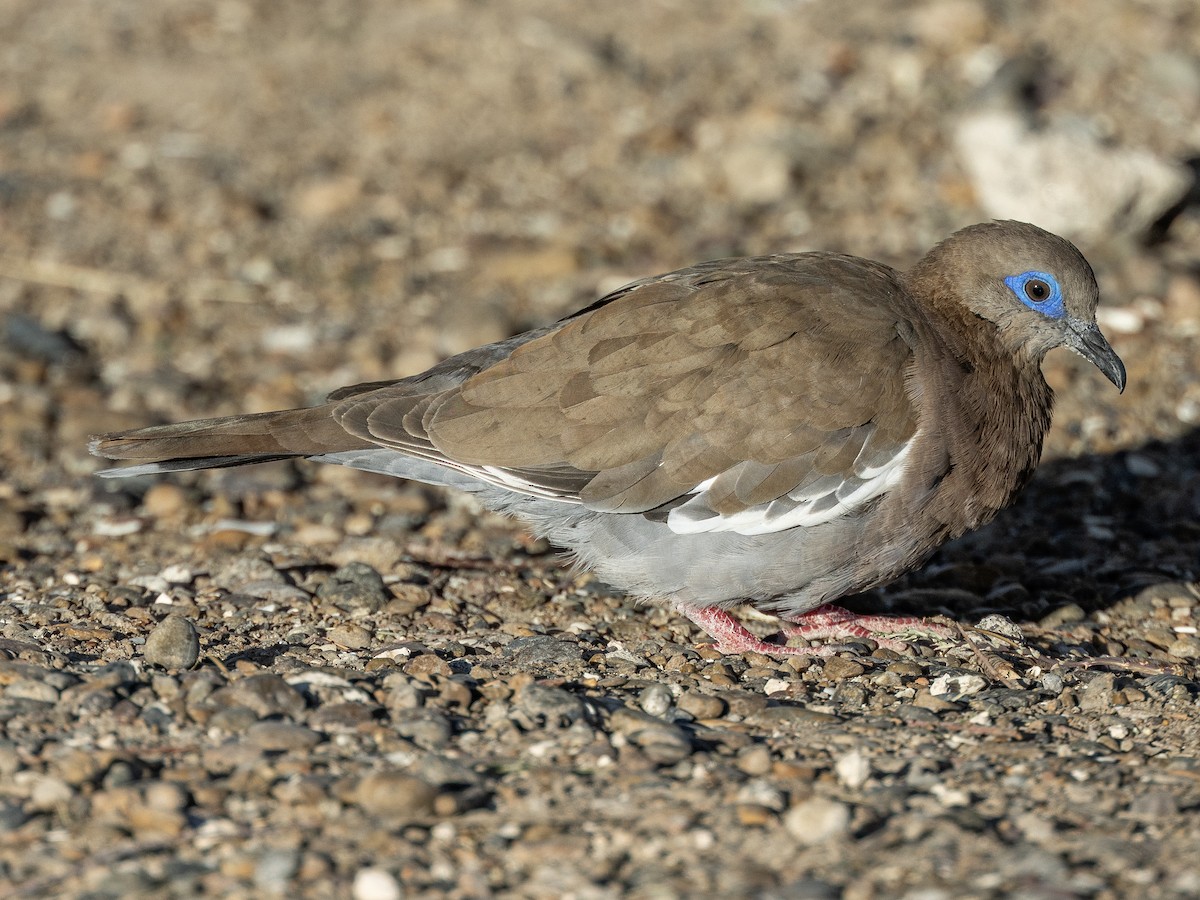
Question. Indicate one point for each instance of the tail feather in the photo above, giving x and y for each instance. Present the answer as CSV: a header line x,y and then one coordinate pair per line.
x,y
229,441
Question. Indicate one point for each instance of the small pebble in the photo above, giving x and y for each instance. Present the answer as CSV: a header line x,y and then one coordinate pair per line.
x,y
232,719
273,591
542,651
1002,625
1097,694
701,706
1185,648
836,668
177,574
48,793
395,797
164,500
1155,806
662,742
375,884
426,728
925,699
355,587
754,760
776,686
790,716
816,820
655,700
1063,615
341,717
281,736
427,667
165,795
267,694
957,684
31,689
351,636
751,815
275,868
760,792
173,644
1052,682
151,823
550,707
402,692
853,769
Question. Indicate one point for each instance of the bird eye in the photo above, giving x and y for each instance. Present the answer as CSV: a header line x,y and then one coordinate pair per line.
x,y
1037,290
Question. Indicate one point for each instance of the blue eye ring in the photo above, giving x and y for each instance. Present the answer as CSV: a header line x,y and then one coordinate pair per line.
x,y
1039,291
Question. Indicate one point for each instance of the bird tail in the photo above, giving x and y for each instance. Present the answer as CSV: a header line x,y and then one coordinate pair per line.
x,y
228,441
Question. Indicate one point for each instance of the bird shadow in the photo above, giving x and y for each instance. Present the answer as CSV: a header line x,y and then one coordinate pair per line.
x,y
1087,532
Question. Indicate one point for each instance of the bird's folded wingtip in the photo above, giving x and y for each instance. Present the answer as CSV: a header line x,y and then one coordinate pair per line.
x,y
128,471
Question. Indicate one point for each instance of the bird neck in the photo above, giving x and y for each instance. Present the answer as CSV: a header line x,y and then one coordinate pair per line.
x,y
989,401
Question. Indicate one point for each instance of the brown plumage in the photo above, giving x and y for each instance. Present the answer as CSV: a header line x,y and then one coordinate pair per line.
x,y
783,430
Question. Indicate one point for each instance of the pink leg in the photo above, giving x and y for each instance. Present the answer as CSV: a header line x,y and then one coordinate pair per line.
x,y
836,622
732,637
826,621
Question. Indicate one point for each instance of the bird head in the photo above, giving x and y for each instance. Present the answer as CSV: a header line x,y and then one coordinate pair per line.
x,y
1035,286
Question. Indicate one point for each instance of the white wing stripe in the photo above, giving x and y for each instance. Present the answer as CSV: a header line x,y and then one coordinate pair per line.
x,y
831,499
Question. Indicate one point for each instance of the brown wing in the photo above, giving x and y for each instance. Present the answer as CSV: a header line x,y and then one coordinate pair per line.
x,y
761,380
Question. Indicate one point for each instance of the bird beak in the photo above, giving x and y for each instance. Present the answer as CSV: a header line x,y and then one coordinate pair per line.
x,y
1088,342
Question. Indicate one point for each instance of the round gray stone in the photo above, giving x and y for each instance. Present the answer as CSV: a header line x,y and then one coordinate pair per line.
x,y
173,644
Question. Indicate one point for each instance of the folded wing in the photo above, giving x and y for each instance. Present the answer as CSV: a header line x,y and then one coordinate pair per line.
x,y
755,397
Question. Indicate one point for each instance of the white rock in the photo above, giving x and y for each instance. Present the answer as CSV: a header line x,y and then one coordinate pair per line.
x,y
177,574
289,339
959,685
1120,319
949,796
117,527
155,583
61,206
776,686
375,884
853,769
761,793
1188,411
1063,178
817,820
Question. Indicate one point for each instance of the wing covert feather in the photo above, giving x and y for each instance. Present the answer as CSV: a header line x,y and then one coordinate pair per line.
x,y
724,391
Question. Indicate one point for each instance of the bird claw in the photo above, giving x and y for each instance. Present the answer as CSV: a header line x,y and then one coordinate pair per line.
x,y
823,622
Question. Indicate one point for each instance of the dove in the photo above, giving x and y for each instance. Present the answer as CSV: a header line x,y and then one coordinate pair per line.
x,y
781,431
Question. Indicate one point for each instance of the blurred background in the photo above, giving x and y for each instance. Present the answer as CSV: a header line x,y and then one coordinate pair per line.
x,y
210,207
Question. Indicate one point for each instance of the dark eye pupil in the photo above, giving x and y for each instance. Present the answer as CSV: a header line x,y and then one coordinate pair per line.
x,y
1037,290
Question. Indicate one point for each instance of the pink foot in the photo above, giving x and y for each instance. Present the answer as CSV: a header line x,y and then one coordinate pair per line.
x,y
835,622
827,621
732,636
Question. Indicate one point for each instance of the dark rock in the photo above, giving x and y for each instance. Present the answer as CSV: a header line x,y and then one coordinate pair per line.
x,y
543,651
355,587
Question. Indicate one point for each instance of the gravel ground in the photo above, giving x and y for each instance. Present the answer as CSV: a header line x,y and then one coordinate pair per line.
x,y
299,680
